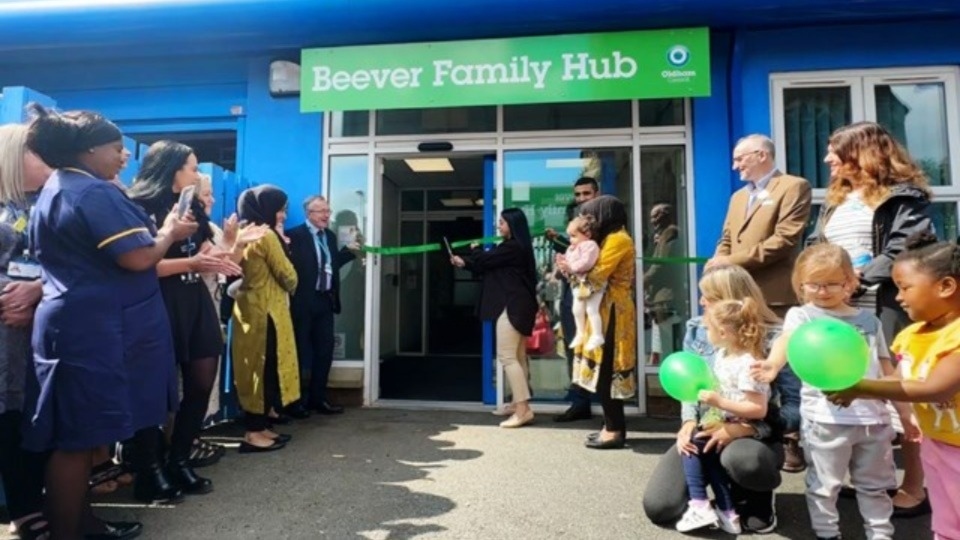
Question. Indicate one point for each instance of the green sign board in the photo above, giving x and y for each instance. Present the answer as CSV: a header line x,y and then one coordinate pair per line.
x,y
546,69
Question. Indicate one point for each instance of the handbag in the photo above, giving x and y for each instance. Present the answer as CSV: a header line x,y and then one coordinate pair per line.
x,y
541,341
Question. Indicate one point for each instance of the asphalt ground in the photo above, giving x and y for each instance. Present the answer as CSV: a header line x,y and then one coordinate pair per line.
x,y
383,474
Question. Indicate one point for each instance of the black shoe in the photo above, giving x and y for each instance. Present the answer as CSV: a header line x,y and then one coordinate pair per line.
x,y
153,486
297,412
184,478
117,530
573,414
326,408
283,438
593,436
247,448
597,444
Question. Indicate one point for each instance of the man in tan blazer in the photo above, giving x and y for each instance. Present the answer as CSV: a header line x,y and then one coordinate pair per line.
x,y
763,233
765,222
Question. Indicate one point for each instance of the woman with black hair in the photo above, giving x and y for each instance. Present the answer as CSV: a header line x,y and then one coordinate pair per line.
x,y
509,297
264,349
611,370
167,169
100,339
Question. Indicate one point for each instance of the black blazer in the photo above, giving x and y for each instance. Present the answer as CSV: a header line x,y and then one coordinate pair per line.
x,y
507,283
303,255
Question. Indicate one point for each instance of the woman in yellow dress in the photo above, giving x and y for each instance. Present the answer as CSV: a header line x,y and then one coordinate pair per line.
x,y
611,370
264,351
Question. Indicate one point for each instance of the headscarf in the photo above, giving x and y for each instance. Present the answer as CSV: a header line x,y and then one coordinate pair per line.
x,y
260,205
610,213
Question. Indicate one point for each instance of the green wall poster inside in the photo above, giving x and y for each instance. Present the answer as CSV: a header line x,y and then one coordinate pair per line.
x,y
545,69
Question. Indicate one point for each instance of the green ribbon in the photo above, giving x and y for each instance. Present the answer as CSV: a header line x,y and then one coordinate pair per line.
x,y
426,248
436,246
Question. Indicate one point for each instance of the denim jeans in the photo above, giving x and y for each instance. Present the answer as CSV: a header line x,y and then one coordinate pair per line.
x,y
787,386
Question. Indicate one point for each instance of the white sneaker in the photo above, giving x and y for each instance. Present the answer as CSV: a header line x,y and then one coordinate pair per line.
x,y
730,524
697,518
595,342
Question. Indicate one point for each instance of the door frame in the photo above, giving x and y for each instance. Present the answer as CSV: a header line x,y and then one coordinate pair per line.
x,y
374,276
636,137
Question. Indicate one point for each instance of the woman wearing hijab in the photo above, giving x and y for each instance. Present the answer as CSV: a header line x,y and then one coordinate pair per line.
x,y
509,297
611,370
101,339
264,350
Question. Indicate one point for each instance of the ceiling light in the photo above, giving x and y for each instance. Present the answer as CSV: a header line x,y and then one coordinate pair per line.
x,y
429,164
457,202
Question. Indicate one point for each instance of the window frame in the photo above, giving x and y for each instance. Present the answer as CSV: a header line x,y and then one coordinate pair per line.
x,y
863,108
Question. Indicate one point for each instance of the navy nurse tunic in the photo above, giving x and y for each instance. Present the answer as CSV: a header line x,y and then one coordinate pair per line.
x,y
101,339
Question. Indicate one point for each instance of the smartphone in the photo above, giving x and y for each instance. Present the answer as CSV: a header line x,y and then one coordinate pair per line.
x,y
447,244
186,198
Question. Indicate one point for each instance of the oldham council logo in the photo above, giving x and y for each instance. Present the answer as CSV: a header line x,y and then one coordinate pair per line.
x,y
678,56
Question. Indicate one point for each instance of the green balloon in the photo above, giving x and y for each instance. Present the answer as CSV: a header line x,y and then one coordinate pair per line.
x,y
683,375
828,354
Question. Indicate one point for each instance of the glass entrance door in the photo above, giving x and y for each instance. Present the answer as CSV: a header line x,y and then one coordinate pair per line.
x,y
540,182
431,342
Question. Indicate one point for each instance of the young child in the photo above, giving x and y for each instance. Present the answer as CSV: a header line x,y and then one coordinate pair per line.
x,y
928,276
736,331
840,440
581,256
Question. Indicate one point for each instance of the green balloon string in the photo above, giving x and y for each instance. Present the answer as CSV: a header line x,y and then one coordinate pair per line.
x,y
436,246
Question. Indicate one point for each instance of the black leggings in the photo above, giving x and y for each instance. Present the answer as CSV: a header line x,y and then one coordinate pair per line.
x,y
614,419
260,420
22,471
198,378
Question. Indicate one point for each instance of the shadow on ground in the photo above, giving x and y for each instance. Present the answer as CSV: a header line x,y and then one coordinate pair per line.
x,y
339,478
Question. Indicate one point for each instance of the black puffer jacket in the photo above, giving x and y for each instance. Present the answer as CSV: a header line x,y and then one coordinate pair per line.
x,y
905,212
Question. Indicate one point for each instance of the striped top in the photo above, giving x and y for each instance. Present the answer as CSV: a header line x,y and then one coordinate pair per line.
x,y
851,227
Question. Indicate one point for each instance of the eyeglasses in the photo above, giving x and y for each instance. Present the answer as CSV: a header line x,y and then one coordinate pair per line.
x,y
318,212
740,158
830,288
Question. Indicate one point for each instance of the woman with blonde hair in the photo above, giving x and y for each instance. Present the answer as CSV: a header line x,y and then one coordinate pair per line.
x,y
22,174
752,451
877,198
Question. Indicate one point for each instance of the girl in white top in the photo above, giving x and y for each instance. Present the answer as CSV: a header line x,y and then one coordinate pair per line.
x,y
581,256
737,332
838,441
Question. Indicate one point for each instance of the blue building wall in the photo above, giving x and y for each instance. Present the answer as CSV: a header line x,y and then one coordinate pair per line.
x,y
275,143
911,44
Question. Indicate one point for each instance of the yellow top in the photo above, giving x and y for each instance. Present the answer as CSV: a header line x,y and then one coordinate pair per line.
x,y
917,354
615,275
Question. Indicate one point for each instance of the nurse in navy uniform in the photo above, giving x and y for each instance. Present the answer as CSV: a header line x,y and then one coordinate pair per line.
x,y
101,339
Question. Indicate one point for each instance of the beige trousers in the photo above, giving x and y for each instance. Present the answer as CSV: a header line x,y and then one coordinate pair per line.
x,y
512,354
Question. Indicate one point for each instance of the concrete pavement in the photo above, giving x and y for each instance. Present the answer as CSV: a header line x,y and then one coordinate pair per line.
x,y
395,474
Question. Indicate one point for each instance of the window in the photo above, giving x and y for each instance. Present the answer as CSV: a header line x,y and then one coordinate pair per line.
x,y
918,106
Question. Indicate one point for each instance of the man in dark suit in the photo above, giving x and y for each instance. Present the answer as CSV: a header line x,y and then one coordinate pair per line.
x,y
317,258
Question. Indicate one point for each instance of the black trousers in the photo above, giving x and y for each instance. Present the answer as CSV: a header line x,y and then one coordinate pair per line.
x,y
578,397
754,469
314,335
22,471
614,418
260,420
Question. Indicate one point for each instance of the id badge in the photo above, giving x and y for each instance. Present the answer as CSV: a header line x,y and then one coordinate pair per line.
x,y
23,269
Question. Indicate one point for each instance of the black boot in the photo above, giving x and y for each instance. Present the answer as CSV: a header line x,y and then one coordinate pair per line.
x,y
184,478
153,486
